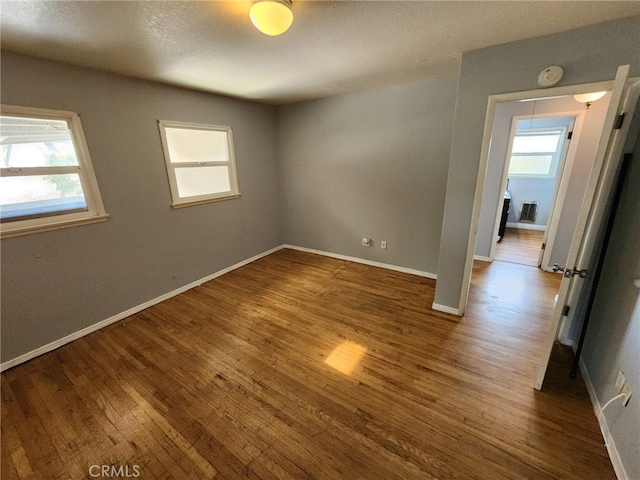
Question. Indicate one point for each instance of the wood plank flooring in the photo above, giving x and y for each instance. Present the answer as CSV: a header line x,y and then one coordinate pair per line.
x,y
520,246
229,380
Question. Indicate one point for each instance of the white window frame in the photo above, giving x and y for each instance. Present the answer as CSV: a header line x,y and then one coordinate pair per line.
x,y
177,200
95,208
556,156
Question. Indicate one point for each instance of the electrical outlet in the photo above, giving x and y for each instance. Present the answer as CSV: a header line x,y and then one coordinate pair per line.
x,y
383,244
620,379
626,391
366,242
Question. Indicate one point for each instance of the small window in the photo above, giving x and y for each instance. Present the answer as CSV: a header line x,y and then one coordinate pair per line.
x,y
536,154
200,162
46,177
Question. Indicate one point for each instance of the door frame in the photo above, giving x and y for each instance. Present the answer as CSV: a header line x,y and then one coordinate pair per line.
x,y
562,178
492,101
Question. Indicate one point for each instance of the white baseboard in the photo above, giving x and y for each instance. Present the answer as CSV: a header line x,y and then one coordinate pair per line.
x,y
482,258
127,313
365,262
445,309
616,461
526,226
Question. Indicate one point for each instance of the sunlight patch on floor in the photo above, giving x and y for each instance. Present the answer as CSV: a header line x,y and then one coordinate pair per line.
x,y
346,357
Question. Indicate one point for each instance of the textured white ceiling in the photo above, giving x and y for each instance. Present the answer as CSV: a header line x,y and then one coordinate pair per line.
x,y
331,48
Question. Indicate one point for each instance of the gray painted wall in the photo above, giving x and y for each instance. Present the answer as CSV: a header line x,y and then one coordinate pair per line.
x,y
531,190
613,337
368,164
587,55
56,283
585,145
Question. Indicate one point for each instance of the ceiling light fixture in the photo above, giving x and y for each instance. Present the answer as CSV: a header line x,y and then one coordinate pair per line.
x,y
589,98
271,17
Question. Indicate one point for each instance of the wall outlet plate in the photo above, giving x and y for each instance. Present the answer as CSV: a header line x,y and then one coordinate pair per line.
x,y
383,244
620,379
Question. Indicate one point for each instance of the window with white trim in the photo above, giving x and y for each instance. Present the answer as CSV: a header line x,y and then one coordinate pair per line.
x,y
536,153
200,162
46,176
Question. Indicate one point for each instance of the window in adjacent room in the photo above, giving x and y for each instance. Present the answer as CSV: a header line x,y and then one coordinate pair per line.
x,y
200,162
46,177
536,153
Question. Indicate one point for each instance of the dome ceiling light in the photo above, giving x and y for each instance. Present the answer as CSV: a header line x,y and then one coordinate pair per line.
x,y
271,17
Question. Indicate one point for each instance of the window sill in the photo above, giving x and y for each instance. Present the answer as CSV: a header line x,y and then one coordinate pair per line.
x,y
202,201
52,225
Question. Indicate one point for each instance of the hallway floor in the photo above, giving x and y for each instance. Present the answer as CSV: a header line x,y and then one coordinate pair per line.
x,y
520,246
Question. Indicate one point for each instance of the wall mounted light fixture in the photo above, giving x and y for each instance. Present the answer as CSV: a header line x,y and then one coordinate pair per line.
x,y
588,98
271,17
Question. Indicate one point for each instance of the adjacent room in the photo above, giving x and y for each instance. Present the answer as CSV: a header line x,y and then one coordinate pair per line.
x,y
281,239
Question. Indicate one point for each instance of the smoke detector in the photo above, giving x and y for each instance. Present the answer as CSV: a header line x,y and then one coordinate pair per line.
x,y
550,76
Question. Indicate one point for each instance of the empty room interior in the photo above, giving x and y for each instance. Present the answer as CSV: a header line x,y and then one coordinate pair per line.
x,y
282,239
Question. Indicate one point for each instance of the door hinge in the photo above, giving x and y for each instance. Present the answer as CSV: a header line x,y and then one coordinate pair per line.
x,y
544,245
569,135
565,310
619,121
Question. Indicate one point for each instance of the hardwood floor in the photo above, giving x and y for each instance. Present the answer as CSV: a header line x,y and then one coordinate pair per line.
x,y
519,246
230,380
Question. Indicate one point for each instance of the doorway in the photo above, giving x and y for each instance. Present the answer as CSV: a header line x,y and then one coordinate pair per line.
x,y
546,197
624,93
538,149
